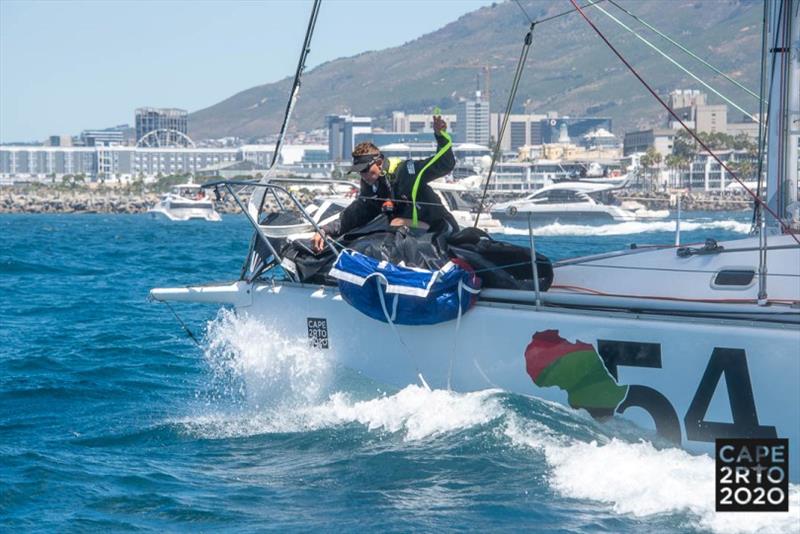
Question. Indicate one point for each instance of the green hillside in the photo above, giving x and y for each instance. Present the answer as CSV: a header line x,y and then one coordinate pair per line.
x,y
569,69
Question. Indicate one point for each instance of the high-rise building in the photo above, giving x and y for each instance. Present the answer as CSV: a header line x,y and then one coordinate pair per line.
x,y
418,122
342,130
691,106
165,121
105,137
522,130
472,121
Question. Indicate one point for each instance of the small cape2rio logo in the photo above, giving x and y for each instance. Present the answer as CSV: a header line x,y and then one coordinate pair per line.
x,y
752,475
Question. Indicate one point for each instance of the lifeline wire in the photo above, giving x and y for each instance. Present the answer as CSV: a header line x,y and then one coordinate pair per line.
x,y
675,115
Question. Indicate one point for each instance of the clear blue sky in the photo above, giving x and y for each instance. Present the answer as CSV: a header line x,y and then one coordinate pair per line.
x,y
67,65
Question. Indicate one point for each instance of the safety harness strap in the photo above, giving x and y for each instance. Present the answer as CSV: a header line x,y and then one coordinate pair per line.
x,y
434,159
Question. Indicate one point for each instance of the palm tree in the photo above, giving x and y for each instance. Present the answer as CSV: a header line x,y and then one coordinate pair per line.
x,y
672,162
653,159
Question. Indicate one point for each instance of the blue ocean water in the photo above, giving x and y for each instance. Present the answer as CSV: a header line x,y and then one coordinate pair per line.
x,y
112,419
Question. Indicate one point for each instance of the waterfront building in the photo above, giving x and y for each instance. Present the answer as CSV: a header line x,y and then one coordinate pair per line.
x,y
388,138
522,130
46,162
692,107
164,121
659,138
107,136
704,173
59,140
599,139
342,130
472,121
520,177
564,129
103,162
694,110
418,122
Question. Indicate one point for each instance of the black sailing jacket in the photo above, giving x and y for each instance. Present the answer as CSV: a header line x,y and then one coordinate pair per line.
x,y
397,183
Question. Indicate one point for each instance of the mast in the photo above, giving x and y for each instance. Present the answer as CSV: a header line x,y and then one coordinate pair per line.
x,y
784,112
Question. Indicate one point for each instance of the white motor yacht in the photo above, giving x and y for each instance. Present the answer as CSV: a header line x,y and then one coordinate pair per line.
x,y
456,198
185,202
565,203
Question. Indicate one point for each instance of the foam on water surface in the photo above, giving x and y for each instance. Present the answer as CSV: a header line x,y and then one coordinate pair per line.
x,y
640,480
629,228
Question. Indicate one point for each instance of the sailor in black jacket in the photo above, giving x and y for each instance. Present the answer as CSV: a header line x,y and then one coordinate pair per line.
x,y
398,188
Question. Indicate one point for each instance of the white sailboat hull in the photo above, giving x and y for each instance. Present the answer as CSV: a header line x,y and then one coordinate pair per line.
x,y
693,379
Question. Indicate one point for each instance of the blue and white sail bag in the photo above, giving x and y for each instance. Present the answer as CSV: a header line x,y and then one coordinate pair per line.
x,y
404,295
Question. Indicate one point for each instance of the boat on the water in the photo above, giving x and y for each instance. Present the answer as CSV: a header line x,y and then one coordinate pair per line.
x,y
566,203
696,342
461,202
185,202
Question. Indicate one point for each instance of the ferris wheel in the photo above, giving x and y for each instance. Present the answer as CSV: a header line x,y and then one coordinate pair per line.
x,y
163,138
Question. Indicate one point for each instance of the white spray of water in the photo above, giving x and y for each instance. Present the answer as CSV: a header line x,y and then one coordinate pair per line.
x,y
640,480
280,385
626,228
268,368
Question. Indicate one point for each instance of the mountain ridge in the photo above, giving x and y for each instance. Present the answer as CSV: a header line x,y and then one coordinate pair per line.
x,y
569,69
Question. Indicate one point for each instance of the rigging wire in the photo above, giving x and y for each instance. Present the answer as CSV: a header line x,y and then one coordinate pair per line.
x,y
684,49
674,62
689,130
548,19
523,56
183,325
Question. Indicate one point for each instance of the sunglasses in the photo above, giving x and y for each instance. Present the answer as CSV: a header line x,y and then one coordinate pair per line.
x,y
368,167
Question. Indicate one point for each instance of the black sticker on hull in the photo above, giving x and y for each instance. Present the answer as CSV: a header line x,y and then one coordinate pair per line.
x,y
318,332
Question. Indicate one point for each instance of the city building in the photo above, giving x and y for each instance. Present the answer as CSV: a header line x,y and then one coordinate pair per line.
x,y
522,130
693,109
102,162
59,140
472,121
165,122
387,138
568,129
418,122
342,130
106,137
600,138
519,177
47,162
705,173
659,138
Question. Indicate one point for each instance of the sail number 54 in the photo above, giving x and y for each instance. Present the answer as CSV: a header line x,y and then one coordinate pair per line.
x,y
732,363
